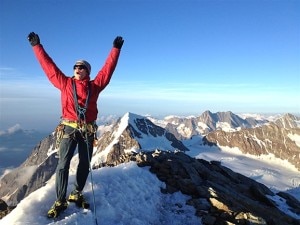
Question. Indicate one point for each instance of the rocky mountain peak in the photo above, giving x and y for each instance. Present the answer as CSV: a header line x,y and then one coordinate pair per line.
x,y
134,133
215,120
288,121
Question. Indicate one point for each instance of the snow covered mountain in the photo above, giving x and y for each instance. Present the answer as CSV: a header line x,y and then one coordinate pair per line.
x,y
186,127
136,134
133,133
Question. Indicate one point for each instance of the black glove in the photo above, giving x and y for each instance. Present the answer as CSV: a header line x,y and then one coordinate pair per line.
x,y
118,42
33,38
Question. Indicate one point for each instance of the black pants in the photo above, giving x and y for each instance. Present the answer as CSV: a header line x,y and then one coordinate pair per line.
x,y
73,138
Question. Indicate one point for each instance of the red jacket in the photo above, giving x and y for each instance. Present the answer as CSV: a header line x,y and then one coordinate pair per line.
x,y
64,84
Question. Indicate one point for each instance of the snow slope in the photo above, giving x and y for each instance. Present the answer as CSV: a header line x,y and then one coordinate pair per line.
x,y
275,173
126,194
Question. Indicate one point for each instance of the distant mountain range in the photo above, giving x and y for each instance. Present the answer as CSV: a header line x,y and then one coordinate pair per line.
x,y
186,127
135,133
280,138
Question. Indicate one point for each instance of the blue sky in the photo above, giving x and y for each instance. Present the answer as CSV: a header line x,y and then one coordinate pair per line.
x,y
180,57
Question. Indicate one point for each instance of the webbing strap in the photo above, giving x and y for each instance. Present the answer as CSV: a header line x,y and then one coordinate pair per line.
x,y
80,111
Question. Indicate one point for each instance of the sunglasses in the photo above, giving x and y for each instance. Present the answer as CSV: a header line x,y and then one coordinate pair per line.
x,y
79,67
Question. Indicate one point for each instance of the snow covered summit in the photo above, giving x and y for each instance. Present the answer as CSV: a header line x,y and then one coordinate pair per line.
x,y
133,133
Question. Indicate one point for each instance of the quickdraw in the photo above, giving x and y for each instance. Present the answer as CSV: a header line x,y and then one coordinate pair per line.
x,y
59,131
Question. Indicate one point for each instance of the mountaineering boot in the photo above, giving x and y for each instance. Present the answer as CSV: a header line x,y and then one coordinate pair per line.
x,y
57,208
78,199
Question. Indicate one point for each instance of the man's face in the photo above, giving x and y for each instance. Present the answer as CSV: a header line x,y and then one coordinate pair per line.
x,y
80,72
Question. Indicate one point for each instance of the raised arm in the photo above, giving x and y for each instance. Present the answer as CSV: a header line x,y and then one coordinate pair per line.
x,y
54,74
104,75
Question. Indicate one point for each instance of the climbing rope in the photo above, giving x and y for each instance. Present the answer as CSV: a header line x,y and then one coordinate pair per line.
x,y
84,130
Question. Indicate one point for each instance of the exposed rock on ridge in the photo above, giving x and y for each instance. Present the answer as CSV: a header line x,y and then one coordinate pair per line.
x,y
288,121
263,140
219,195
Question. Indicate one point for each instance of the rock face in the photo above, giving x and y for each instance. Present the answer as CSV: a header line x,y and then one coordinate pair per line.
x,y
3,209
288,121
212,119
266,139
141,127
132,133
30,175
219,195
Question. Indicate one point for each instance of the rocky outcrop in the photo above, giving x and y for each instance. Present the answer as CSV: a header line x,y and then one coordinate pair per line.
x,y
219,195
266,139
4,209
